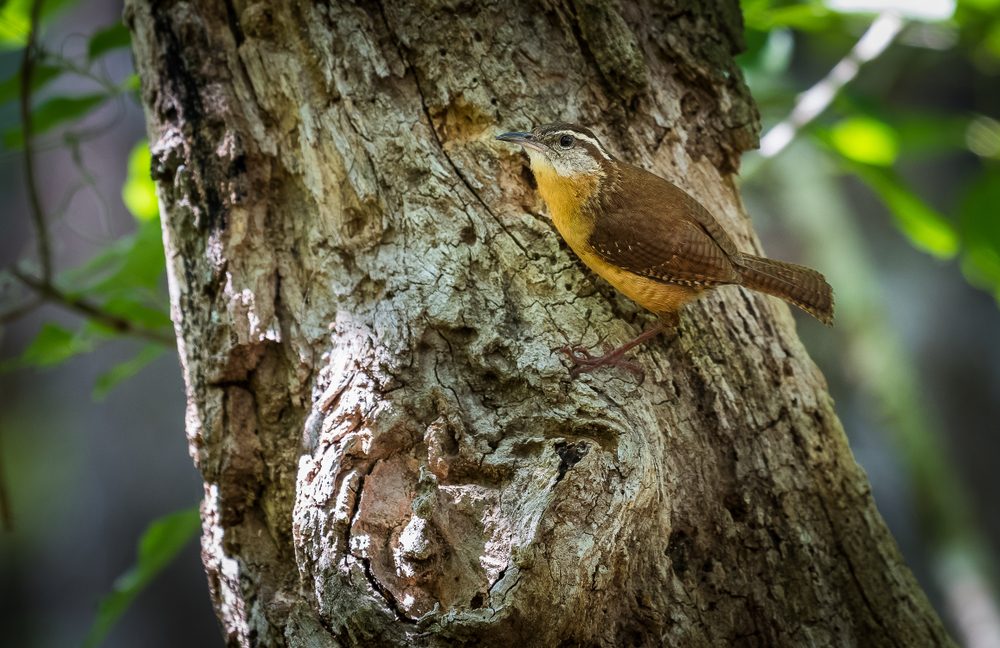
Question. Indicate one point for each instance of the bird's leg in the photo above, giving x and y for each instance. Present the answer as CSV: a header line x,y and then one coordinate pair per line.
x,y
583,361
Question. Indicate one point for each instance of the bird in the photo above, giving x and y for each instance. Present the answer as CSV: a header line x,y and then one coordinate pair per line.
x,y
647,237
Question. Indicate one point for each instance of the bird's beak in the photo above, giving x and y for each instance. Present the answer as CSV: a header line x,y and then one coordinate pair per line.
x,y
524,139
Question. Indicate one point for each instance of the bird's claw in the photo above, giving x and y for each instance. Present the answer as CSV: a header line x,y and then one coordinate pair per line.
x,y
577,354
584,361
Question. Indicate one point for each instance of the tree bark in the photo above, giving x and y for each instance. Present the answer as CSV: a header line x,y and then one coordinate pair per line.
x,y
368,295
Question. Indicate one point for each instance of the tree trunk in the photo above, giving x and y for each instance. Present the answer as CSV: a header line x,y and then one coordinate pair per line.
x,y
368,298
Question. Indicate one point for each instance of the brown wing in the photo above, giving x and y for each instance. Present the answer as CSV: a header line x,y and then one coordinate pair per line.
x,y
662,233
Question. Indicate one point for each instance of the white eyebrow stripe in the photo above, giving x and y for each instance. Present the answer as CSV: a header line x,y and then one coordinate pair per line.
x,y
580,136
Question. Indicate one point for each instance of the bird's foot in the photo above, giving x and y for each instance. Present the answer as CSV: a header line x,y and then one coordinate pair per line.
x,y
584,361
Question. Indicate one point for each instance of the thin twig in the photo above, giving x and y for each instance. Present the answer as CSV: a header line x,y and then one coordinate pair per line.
x,y
91,310
34,199
810,104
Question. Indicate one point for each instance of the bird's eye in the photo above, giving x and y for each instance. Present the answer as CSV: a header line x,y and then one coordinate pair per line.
x,y
566,141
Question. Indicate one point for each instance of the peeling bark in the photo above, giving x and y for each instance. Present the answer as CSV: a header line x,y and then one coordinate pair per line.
x,y
367,297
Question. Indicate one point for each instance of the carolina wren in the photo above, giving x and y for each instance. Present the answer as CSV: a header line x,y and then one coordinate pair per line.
x,y
647,237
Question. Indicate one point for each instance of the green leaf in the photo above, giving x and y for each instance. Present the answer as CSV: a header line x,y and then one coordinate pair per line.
x,y
53,345
15,20
124,370
10,88
982,5
866,140
809,16
131,83
923,225
142,264
160,544
53,112
107,39
139,191
980,228
135,261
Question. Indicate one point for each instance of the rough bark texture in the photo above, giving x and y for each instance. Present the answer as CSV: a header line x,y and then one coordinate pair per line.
x,y
367,297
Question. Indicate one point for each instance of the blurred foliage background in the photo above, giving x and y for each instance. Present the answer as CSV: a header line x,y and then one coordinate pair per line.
x,y
879,164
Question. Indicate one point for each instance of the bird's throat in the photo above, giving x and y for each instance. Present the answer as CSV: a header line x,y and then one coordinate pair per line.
x,y
566,198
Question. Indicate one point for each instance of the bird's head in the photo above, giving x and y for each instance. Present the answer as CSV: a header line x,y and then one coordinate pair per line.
x,y
565,150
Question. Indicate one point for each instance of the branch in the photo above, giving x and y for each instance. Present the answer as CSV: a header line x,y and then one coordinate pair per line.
x,y
79,305
34,199
810,104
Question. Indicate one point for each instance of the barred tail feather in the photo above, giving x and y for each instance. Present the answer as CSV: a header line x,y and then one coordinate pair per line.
x,y
796,284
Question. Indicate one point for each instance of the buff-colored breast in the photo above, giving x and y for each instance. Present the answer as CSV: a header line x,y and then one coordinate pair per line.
x,y
564,197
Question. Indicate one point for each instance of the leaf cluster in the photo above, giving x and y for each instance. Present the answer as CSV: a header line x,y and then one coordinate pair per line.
x,y
872,137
